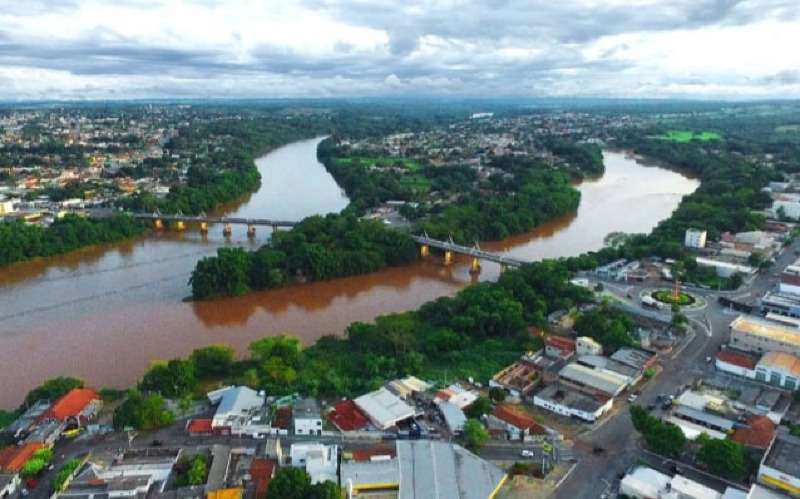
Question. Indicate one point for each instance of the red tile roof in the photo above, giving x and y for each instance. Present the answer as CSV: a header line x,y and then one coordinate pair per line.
x,y
368,454
517,418
758,433
13,458
283,417
561,343
199,426
737,359
261,471
347,416
71,404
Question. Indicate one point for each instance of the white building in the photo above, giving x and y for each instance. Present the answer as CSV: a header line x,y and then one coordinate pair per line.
x,y
319,460
383,408
566,402
307,420
587,346
725,269
695,238
791,209
593,380
239,407
647,483
780,466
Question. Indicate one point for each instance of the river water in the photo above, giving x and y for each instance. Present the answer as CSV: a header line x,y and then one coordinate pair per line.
x,y
104,314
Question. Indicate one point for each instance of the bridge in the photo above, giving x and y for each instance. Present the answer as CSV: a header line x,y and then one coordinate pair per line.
x,y
450,247
203,220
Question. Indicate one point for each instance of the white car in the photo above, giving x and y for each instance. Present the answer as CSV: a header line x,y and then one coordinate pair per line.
x,y
633,397
526,453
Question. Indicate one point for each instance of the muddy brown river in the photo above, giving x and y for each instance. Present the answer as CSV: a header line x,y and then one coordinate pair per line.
x,y
105,313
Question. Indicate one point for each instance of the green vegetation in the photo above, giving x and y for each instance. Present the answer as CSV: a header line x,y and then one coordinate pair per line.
x,y
316,249
684,136
20,241
609,327
7,417
478,408
659,436
475,434
724,457
666,296
52,389
295,483
37,463
191,470
69,467
143,412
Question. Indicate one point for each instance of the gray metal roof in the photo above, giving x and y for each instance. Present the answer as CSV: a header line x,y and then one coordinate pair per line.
x,y
453,416
440,470
704,417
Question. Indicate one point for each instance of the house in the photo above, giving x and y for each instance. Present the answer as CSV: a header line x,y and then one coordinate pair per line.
x,y
23,423
634,357
736,362
319,460
454,417
262,471
518,424
780,466
790,279
457,395
758,433
77,407
199,426
240,410
346,416
559,346
695,238
646,483
13,458
562,400
384,409
407,386
780,369
307,419
587,346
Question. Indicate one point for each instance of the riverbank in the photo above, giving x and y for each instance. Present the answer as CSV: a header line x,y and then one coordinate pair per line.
x,y
107,316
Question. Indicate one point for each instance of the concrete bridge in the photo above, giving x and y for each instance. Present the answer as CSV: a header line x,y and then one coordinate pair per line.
x,y
203,220
450,248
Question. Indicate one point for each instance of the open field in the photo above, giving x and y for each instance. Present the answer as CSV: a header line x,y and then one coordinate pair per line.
x,y
688,136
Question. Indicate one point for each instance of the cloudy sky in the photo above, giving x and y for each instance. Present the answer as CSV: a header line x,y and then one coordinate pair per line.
x,y
86,49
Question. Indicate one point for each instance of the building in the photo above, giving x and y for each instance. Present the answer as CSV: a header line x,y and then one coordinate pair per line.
x,y
319,460
780,466
702,418
457,395
9,483
519,379
789,209
518,425
559,346
454,417
407,386
790,279
440,469
725,269
606,365
13,458
646,483
346,416
24,422
384,409
695,238
238,408
758,433
786,303
737,363
593,381
587,346
363,479
780,369
562,400
76,407
634,357
307,419
758,335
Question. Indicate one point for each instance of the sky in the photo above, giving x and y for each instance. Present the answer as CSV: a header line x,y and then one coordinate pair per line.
x,y
89,49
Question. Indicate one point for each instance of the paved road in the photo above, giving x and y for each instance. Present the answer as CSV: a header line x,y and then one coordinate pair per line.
x,y
595,474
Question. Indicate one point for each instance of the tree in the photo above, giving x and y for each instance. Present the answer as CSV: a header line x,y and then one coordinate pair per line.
x,y
289,483
143,412
213,361
172,379
52,389
475,434
33,467
497,394
723,457
477,409
197,471
661,437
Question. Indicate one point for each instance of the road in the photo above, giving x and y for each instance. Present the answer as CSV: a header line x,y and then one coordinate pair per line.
x,y
617,436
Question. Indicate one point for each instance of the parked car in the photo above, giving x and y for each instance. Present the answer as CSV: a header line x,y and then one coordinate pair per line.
x,y
598,450
526,453
632,398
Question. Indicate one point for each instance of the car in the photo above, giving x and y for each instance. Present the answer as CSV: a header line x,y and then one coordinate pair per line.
x,y
598,450
708,359
632,398
667,404
156,443
651,407
659,398
526,453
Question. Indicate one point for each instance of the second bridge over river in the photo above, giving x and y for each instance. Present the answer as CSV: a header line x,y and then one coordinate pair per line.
x,y
450,248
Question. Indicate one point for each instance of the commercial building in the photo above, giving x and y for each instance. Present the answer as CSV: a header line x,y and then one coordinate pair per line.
x,y
593,381
695,238
702,418
77,406
646,483
307,419
240,410
780,466
384,409
779,369
725,269
562,400
738,363
454,417
790,279
606,365
786,303
634,357
363,479
753,334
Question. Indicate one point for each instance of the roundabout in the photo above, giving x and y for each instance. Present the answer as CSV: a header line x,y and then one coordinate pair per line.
x,y
668,297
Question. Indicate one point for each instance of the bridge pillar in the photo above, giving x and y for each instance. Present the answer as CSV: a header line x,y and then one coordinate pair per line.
x,y
227,230
274,228
180,225
476,265
424,250
448,257
251,230
204,227
158,224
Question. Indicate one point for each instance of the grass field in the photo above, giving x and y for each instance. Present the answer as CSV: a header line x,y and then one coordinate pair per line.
x,y
688,136
410,164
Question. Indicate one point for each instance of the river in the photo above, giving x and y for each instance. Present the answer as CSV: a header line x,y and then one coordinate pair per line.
x,y
104,314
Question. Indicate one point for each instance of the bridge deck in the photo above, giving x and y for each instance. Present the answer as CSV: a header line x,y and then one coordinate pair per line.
x,y
466,250
213,220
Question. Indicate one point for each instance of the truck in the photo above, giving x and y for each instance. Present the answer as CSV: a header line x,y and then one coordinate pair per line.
x,y
650,302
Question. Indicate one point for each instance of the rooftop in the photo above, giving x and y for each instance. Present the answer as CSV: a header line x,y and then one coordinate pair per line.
x,y
563,395
765,329
632,357
384,408
757,434
235,400
736,358
782,361
347,416
306,408
517,418
71,404
520,376
606,382
13,458
784,455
